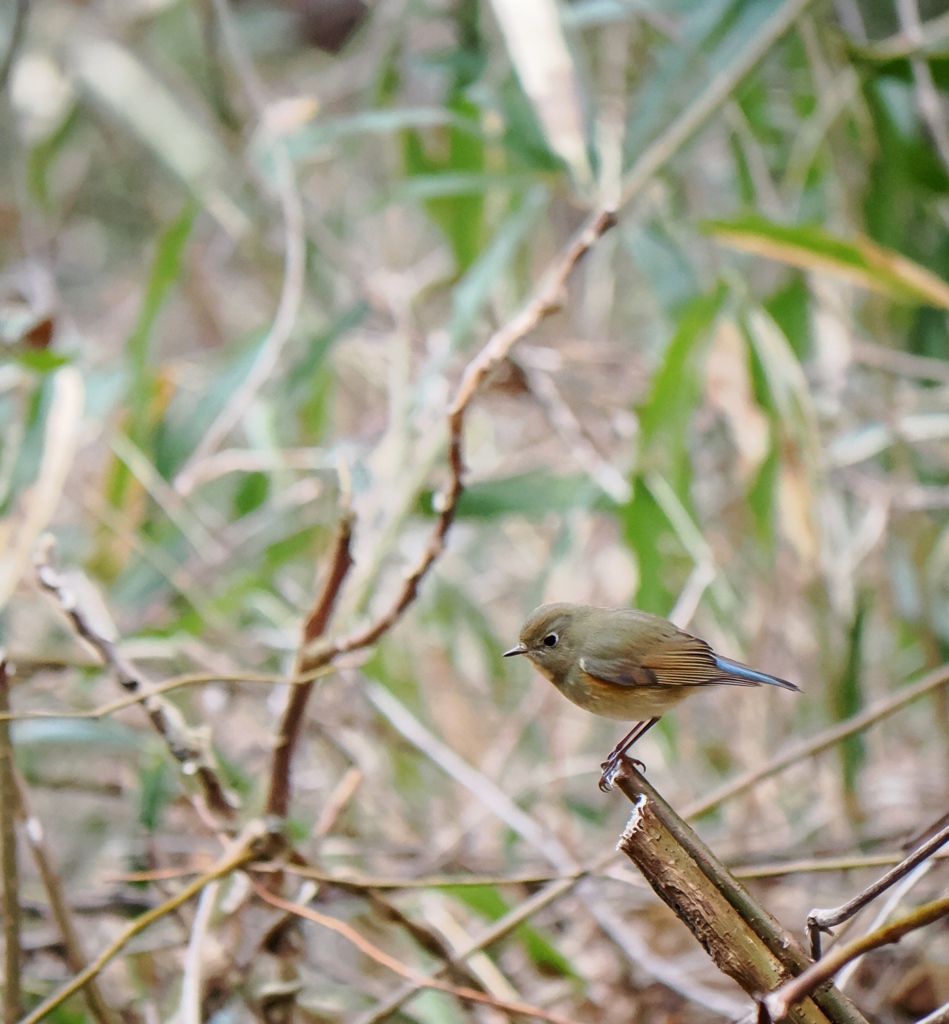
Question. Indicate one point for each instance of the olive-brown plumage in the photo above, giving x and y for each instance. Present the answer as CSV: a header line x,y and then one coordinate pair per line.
x,y
624,663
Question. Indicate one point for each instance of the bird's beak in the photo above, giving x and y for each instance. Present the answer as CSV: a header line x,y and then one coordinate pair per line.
x,y
519,649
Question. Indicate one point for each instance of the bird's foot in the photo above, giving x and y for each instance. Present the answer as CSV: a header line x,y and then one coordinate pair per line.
x,y
611,767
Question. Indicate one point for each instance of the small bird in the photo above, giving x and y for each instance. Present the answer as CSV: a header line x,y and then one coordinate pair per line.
x,y
624,663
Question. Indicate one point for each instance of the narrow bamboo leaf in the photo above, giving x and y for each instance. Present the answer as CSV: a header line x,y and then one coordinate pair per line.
x,y
165,269
458,214
859,261
672,396
649,535
486,900
846,696
533,495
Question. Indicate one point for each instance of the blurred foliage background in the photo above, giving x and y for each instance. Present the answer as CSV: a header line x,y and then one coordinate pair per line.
x,y
245,255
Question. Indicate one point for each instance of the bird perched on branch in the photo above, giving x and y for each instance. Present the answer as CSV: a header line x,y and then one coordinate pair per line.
x,y
624,663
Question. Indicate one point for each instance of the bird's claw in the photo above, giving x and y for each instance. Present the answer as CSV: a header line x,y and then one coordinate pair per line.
x,y
611,767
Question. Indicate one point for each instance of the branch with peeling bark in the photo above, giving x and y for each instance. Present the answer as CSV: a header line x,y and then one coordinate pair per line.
x,y
185,744
742,938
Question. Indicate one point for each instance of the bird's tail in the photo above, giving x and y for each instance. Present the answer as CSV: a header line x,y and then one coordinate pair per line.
x,y
742,674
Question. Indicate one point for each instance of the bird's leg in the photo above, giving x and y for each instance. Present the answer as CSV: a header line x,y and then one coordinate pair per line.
x,y
611,764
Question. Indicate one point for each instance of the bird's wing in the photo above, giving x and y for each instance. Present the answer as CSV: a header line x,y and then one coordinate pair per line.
x,y
685,660
676,659
619,671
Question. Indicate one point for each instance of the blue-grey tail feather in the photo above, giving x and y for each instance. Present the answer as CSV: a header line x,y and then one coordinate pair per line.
x,y
748,676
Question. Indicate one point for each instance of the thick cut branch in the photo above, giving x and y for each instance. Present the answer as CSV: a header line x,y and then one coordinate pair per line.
x,y
743,939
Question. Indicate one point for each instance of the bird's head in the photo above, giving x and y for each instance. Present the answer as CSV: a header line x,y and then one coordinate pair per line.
x,y
550,637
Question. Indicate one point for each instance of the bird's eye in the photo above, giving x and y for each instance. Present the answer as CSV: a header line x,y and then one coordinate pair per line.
x,y
550,640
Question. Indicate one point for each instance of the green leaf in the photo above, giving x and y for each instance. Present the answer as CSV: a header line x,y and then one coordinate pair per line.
x,y
156,788
458,214
42,360
487,901
647,532
859,261
251,493
846,696
665,411
789,307
165,269
532,494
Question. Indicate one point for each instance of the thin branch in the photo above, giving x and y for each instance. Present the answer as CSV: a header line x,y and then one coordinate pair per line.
x,y
498,930
307,660
174,683
244,849
822,920
822,741
545,301
778,1004
416,978
184,744
904,364
12,1000
75,957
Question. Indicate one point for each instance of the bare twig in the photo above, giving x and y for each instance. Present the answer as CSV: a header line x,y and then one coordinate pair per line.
x,y
245,848
173,683
415,977
743,939
307,660
883,914
905,364
183,743
546,300
822,741
780,1002
59,907
8,860
819,920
